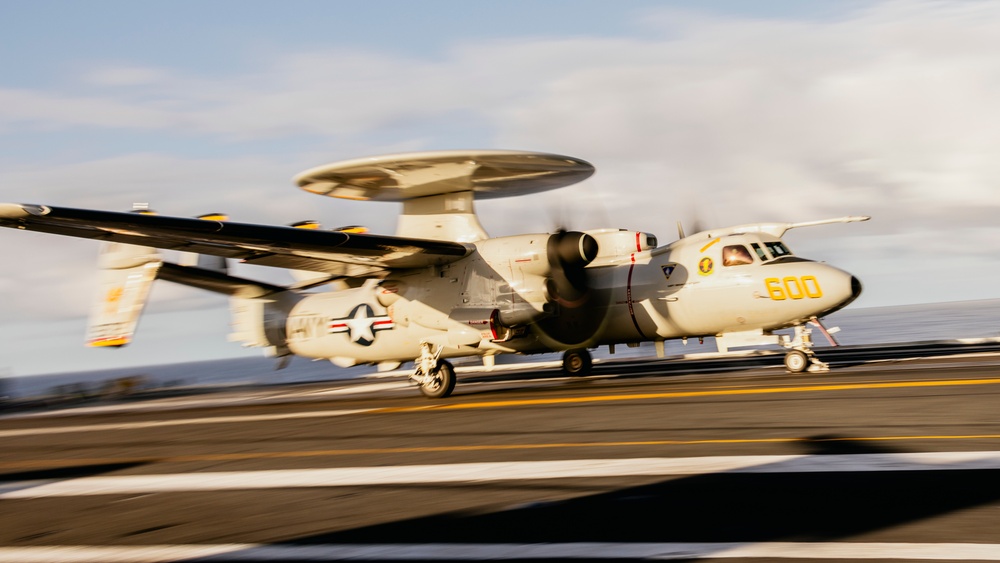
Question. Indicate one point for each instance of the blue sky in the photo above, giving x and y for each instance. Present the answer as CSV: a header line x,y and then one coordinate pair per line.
x,y
731,112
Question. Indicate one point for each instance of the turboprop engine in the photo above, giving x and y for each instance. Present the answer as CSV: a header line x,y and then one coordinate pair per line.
x,y
517,281
569,253
496,293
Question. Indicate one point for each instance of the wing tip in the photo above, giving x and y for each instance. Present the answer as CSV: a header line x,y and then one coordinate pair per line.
x,y
12,211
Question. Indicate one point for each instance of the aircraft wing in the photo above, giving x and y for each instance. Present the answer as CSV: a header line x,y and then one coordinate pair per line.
x,y
332,252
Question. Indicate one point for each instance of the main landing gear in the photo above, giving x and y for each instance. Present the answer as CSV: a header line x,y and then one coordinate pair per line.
x,y
436,377
577,362
800,356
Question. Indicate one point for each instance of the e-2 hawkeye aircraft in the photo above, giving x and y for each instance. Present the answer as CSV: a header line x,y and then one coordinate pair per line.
x,y
442,288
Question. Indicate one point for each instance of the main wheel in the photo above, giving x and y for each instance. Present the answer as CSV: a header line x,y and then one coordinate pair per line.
x,y
796,361
577,362
442,382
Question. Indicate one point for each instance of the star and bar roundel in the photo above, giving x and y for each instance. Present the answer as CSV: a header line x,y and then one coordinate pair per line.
x,y
361,324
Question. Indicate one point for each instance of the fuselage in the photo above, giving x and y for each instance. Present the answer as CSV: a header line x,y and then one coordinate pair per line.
x,y
497,299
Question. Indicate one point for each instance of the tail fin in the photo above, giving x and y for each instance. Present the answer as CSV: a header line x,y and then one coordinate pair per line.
x,y
126,276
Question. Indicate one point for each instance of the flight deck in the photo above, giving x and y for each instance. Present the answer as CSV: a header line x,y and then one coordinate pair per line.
x,y
892,455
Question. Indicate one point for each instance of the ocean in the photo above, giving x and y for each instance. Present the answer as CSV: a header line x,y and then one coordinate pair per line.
x,y
858,326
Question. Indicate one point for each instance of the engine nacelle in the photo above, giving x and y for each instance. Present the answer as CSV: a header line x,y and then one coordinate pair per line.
x,y
616,245
538,269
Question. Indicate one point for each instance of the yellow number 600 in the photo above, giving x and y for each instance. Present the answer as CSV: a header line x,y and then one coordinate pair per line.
x,y
793,288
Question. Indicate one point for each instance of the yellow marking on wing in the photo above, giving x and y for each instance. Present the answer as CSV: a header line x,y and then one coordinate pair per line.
x,y
354,229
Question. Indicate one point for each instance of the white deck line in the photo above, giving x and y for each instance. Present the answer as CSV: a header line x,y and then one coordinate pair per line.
x,y
426,552
495,471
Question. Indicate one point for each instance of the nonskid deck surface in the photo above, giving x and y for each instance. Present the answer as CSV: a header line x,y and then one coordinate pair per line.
x,y
892,458
746,363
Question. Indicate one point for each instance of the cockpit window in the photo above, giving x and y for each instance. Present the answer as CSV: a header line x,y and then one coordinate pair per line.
x,y
736,254
777,249
760,252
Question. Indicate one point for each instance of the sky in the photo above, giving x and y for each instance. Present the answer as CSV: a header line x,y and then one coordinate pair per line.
x,y
707,112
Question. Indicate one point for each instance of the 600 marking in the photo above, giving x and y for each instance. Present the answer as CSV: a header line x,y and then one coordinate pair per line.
x,y
793,288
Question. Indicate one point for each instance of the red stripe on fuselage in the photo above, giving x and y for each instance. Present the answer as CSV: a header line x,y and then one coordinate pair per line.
x,y
628,298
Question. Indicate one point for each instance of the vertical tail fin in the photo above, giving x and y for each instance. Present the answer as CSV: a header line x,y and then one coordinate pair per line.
x,y
126,276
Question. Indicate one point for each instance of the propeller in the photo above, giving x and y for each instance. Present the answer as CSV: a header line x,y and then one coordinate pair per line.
x,y
694,222
577,309
568,254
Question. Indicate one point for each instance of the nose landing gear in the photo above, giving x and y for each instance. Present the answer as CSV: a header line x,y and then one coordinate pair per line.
x,y
797,361
800,356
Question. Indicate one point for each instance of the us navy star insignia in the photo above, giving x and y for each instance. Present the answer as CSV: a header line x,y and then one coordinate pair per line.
x,y
361,324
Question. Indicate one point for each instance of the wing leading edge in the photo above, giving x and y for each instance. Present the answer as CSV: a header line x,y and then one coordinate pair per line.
x,y
331,252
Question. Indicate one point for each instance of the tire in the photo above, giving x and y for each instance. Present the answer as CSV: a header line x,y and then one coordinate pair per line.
x,y
443,382
577,363
796,361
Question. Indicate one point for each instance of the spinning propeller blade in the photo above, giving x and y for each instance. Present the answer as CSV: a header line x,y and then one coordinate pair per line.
x,y
568,253
577,308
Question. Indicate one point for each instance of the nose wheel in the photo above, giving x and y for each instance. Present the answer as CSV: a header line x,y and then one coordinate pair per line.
x,y
796,361
800,356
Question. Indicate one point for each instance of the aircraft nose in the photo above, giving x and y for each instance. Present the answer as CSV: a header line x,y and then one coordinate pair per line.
x,y
848,288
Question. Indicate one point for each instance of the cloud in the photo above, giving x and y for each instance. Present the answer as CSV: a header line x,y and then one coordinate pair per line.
x,y
889,110
119,76
56,277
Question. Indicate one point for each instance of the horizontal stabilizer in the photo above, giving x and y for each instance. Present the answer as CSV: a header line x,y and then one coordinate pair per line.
x,y
217,282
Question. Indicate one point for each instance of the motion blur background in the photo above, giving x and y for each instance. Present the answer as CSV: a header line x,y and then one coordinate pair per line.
x,y
706,112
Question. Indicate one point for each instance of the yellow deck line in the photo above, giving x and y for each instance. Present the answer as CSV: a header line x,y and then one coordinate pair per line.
x,y
713,393
27,464
64,463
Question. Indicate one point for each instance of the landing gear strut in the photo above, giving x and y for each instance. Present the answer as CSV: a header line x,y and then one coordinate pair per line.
x,y
800,356
577,362
436,377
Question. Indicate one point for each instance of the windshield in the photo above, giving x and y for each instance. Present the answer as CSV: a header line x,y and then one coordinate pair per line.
x,y
777,249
